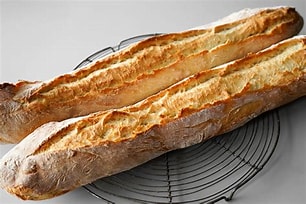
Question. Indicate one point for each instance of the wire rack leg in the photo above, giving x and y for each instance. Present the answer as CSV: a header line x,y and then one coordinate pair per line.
x,y
168,178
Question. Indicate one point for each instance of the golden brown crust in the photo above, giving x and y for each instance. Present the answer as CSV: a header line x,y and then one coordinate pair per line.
x,y
150,66
74,152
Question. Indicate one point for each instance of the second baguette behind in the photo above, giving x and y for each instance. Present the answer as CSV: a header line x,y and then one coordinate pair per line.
x,y
141,70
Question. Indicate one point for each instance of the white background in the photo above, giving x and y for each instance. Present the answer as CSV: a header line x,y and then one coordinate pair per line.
x,y
42,39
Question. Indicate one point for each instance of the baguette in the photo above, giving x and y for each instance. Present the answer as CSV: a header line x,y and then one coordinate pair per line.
x,y
150,66
61,156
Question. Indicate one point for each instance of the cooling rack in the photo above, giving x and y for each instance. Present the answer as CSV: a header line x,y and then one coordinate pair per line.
x,y
204,173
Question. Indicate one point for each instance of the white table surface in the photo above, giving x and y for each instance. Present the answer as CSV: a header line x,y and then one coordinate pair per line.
x,y
42,39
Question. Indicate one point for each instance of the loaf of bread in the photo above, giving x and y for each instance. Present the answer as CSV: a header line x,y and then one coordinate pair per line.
x,y
141,70
61,156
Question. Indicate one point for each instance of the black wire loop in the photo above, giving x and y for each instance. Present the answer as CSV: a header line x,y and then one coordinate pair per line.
x,y
204,173
109,50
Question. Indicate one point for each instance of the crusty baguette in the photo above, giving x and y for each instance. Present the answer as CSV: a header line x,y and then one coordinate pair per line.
x,y
61,156
140,70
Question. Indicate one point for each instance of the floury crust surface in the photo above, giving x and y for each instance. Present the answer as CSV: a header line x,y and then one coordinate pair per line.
x,y
72,153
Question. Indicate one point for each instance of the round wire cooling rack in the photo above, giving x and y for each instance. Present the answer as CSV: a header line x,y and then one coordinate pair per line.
x,y
204,173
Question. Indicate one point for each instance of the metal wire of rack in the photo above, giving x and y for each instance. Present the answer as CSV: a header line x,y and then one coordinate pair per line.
x,y
204,173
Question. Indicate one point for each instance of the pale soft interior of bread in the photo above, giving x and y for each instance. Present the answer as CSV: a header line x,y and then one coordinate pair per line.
x,y
275,68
